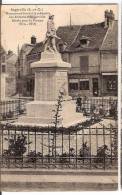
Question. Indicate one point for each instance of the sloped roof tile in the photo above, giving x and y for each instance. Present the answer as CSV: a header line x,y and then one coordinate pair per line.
x,y
111,40
95,33
38,48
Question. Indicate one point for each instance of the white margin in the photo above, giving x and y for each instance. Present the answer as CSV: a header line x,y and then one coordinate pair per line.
x,y
119,2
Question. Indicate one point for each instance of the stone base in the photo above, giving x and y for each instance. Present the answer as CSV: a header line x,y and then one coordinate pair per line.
x,y
50,60
40,113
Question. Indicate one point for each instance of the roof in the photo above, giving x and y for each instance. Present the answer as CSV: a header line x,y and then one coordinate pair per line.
x,y
26,48
38,48
2,50
71,36
95,33
68,33
111,39
11,58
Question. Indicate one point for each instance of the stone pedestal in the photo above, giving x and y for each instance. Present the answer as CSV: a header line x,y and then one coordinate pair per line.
x,y
50,78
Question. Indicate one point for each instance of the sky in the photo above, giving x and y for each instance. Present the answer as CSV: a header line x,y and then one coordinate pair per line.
x,y
14,34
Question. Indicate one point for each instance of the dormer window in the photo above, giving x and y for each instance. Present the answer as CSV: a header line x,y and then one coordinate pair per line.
x,y
62,46
84,41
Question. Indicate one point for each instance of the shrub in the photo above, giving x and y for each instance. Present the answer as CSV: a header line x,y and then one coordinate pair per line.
x,y
102,153
33,156
17,146
84,151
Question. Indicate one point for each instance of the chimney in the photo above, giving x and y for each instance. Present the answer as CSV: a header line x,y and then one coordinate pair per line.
x,y
33,40
109,18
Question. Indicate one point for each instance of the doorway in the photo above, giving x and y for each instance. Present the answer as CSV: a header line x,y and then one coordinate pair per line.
x,y
95,87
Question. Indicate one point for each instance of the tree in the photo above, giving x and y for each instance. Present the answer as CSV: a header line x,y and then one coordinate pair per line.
x,y
56,120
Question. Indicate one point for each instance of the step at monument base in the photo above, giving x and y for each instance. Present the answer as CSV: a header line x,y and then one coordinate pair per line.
x,y
41,113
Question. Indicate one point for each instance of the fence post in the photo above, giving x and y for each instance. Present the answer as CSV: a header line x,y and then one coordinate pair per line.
x,y
104,160
76,149
42,147
35,148
90,144
69,146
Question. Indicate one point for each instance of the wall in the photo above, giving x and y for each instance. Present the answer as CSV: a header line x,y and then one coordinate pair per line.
x,y
3,86
75,72
85,92
3,75
108,62
11,72
74,59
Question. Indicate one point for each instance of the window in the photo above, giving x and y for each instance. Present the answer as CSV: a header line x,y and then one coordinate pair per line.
x,y
3,68
83,41
84,62
112,85
28,86
3,59
73,84
84,85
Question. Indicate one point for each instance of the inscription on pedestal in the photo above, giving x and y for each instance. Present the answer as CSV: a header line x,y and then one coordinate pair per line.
x,y
45,86
49,83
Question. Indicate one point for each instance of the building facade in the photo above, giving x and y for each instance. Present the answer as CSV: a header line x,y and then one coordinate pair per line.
x,y
11,60
93,56
24,74
109,61
93,59
7,74
2,73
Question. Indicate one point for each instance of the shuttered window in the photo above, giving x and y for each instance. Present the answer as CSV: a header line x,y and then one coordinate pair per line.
x,y
3,68
84,63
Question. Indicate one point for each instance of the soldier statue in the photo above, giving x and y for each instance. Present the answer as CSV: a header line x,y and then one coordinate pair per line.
x,y
50,40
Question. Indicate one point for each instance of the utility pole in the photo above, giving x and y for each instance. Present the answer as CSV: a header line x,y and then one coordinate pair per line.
x,y
70,21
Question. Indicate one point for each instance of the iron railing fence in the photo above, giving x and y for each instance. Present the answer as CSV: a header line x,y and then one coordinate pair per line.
x,y
47,147
13,108
106,105
10,109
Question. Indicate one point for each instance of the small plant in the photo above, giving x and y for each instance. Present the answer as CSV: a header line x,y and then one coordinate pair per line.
x,y
33,156
64,158
114,144
84,151
8,115
3,117
113,110
102,153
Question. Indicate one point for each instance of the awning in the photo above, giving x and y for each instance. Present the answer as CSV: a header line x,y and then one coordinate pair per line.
x,y
84,79
73,80
109,73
